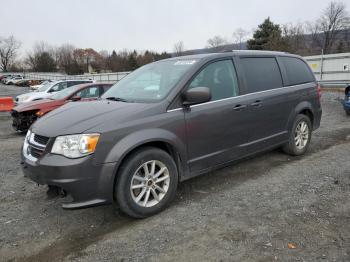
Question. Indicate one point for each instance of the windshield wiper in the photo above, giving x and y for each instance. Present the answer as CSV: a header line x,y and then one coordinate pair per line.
x,y
119,99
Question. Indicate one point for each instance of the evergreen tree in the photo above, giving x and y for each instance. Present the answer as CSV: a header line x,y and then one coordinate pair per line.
x,y
45,63
268,36
132,62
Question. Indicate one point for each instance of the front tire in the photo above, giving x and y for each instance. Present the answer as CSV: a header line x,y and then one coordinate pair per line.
x,y
146,182
300,136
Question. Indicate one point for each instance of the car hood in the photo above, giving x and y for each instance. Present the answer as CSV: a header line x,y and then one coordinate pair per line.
x,y
77,117
37,105
34,95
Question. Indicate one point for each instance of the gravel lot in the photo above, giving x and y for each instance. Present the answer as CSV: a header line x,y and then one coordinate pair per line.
x,y
270,208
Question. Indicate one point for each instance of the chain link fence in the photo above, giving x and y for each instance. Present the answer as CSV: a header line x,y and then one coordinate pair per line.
x,y
104,77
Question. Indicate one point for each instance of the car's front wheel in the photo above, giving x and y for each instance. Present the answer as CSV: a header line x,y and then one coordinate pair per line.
x,y
146,182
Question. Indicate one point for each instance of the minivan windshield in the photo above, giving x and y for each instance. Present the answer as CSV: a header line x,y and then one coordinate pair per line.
x,y
45,86
150,83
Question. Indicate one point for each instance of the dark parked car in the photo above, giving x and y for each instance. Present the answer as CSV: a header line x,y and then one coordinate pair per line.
x,y
25,114
346,103
172,120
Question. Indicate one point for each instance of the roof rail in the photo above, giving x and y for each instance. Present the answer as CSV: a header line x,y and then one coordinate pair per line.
x,y
256,51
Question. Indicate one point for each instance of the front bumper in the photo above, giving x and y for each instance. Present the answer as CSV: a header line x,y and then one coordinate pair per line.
x,y
22,121
89,184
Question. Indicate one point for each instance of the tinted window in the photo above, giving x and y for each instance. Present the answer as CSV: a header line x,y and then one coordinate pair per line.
x,y
220,77
106,87
261,73
72,83
297,71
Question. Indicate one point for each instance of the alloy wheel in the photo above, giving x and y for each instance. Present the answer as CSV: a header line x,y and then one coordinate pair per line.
x,y
301,137
150,183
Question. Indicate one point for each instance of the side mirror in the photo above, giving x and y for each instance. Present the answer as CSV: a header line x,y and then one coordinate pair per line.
x,y
196,95
75,98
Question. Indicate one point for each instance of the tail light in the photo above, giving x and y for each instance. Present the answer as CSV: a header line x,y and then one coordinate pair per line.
x,y
318,89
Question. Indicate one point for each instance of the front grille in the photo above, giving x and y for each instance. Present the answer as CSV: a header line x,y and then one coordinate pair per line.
x,y
35,152
41,139
36,146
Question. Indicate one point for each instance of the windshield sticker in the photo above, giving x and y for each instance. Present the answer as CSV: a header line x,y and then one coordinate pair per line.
x,y
185,62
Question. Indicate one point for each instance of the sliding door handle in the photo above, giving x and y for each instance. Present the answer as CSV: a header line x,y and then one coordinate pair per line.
x,y
257,103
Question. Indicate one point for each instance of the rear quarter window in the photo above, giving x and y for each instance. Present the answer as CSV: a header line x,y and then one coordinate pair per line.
x,y
261,73
297,71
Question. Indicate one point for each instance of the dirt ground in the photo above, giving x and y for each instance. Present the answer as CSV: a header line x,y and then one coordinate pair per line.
x,y
272,207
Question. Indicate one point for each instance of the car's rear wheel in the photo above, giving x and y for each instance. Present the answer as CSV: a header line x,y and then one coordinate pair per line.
x,y
146,182
300,136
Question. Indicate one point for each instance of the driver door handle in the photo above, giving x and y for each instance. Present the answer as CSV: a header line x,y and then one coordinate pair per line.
x,y
239,107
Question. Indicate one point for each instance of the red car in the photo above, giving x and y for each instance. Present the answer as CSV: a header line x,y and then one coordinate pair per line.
x,y
25,114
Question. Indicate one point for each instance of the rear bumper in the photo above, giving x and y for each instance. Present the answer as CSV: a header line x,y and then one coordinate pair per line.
x,y
88,184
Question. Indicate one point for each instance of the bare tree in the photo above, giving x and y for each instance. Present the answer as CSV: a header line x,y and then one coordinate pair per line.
x,y
179,48
8,51
240,35
325,30
216,41
294,37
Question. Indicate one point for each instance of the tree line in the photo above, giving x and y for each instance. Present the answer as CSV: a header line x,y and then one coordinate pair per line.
x,y
72,60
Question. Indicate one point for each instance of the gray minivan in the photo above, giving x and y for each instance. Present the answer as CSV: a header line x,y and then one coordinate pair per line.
x,y
172,120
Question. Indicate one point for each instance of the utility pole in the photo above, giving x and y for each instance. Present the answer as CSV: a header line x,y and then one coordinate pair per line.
x,y
321,67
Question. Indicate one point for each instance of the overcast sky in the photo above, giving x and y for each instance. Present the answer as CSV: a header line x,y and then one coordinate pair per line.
x,y
143,24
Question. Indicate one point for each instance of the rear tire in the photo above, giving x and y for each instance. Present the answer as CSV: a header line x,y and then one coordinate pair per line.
x,y
300,136
146,182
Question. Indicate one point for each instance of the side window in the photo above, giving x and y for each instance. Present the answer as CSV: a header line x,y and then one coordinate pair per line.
x,y
297,70
71,83
261,73
90,92
220,77
105,88
58,87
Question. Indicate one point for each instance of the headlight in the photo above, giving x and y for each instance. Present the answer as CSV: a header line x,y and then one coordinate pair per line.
x,y
24,98
25,144
27,136
74,146
39,113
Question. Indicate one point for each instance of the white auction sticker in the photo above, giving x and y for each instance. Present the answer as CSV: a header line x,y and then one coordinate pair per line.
x,y
185,62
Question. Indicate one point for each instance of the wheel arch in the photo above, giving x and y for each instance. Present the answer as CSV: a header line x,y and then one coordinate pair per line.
x,y
157,138
304,108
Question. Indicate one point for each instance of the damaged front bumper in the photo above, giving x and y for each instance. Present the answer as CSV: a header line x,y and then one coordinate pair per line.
x,y
22,121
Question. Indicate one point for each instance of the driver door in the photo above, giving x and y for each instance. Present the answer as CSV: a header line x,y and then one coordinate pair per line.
x,y
216,130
